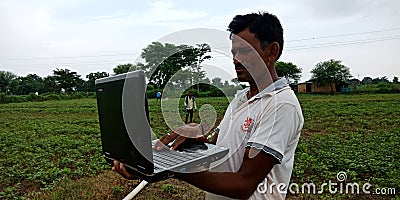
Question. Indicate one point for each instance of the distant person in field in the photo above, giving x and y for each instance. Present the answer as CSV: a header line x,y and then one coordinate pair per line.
x,y
261,126
190,105
158,95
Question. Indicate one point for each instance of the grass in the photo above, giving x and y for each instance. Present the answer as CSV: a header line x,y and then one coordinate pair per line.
x,y
356,134
52,149
45,143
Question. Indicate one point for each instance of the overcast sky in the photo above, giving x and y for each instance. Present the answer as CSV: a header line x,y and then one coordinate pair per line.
x,y
89,36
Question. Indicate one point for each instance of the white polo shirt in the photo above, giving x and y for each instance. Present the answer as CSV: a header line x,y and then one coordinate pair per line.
x,y
271,121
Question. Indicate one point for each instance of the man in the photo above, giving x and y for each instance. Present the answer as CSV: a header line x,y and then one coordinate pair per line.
x,y
158,95
261,126
190,105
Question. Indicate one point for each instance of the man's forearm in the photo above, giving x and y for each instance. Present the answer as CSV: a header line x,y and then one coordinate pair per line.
x,y
222,183
240,184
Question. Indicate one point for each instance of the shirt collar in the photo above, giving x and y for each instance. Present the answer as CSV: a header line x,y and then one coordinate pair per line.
x,y
277,85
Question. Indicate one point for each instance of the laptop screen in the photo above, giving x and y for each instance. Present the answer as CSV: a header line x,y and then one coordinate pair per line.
x,y
124,119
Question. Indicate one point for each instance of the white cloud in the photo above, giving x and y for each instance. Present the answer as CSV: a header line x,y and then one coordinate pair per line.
x,y
164,11
23,26
78,29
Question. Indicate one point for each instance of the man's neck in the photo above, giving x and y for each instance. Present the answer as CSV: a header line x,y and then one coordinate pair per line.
x,y
256,88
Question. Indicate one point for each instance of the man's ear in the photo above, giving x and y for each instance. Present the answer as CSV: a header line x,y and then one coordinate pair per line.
x,y
273,51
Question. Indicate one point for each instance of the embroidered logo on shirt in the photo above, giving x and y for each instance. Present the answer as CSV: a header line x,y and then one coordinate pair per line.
x,y
246,127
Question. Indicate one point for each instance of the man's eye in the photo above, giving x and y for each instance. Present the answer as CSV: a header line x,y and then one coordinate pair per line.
x,y
240,51
244,51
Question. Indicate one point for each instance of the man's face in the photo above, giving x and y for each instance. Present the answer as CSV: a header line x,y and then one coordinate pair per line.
x,y
248,57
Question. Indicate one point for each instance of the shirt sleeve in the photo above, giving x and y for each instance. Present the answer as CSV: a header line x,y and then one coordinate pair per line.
x,y
275,130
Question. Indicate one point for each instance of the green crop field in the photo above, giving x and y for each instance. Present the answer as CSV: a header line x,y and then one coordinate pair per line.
x,y
52,149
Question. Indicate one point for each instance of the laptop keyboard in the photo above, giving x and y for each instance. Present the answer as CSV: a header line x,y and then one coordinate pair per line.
x,y
169,158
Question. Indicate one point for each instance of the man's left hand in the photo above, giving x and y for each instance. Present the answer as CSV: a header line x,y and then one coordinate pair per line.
x,y
180,135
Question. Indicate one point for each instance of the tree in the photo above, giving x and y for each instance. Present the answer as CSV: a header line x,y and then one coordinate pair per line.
x,y
366,80
330,72
395,79
67,80
382,79
217,82
14,86
288,70
226,84
81,86
5,80
90,84
235,81
28,84
164,60
205,85
120,69
200,52
182,78
50,85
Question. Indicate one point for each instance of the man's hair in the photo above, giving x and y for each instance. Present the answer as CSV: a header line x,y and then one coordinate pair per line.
x,y
265,26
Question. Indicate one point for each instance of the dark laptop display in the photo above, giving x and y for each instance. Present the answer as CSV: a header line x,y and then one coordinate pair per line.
x,y
126,133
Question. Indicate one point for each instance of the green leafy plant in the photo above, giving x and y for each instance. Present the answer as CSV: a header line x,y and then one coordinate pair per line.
x,y
47,144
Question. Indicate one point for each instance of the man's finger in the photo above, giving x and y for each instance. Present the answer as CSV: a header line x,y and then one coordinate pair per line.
x,y
123,171
120,169
158,145
201,138
179,140
165,140
116,166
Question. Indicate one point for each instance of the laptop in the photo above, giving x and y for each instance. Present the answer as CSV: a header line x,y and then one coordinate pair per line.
x,y
126,133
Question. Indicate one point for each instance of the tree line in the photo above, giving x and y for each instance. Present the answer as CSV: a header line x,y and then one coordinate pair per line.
x,y
62,80
179,65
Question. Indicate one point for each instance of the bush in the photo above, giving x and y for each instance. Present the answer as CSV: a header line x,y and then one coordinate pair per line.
x,y
2,97
380,88
151,93
65,97
12,99
31,97
91,95
44,97
77,95
150,87
53,97
215,92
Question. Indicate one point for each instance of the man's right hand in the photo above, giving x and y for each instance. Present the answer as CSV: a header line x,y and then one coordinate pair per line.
x,y
120,168
180,135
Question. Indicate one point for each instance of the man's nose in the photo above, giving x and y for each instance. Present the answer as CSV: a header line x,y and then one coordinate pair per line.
x,y
235,61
